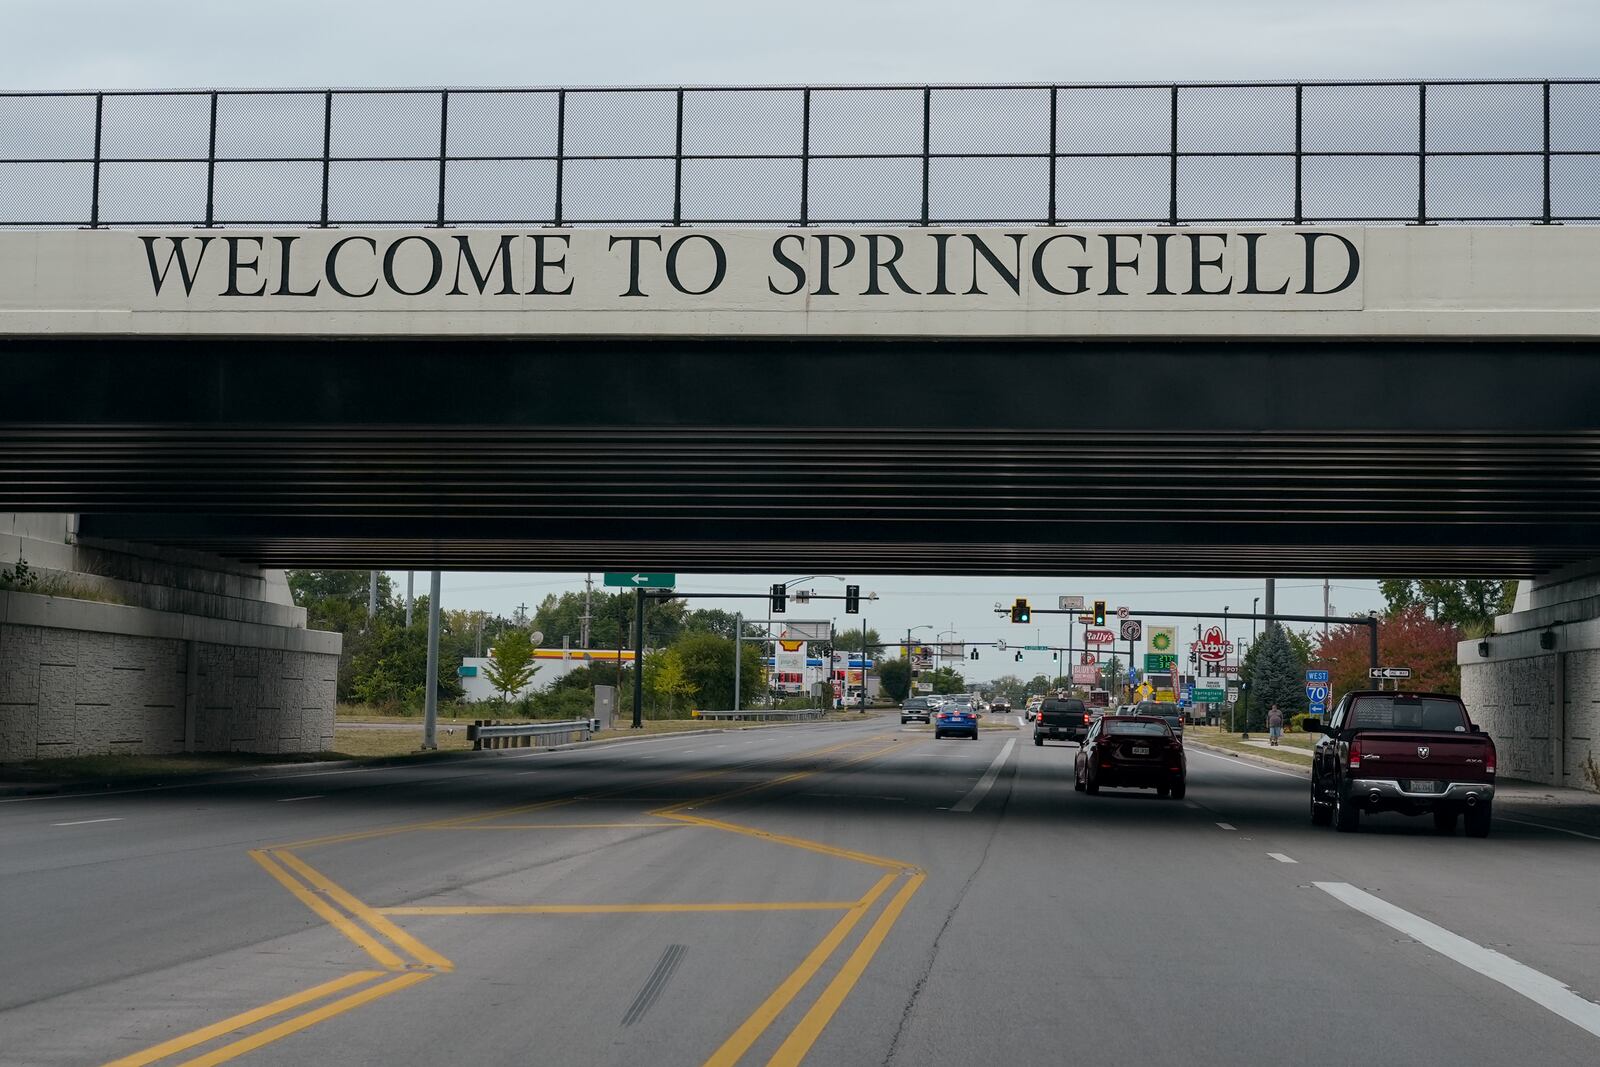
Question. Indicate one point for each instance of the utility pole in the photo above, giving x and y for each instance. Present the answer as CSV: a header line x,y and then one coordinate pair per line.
x,y
430,714
1272,601
863,666
738,654
588,589
522,614
1327,610
372,595
638,659
409,576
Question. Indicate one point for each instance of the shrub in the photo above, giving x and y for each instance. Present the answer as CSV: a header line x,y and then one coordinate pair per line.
x,y
1297,723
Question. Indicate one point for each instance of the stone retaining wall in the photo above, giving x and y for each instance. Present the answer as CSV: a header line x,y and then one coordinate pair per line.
x,y
83,678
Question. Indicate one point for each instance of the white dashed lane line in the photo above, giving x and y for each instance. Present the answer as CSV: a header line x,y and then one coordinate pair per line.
x,y
1227,826
981,790
291,800
1281,858
85,822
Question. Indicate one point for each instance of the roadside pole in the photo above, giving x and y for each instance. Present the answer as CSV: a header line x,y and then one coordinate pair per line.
x,y
638,659
430,713
372,594
410,577
863,667
738,654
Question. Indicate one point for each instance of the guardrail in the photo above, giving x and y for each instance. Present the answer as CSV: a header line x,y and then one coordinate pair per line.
x,y
768,716
493,735
1414,152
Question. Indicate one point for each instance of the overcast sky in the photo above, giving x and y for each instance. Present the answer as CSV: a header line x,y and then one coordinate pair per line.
x,y
112,44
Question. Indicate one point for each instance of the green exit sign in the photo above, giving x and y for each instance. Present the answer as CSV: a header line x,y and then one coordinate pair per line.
x,y
640,580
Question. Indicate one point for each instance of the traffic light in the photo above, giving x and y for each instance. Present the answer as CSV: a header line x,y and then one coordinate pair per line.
x,y
1020,611
1099,612
780,597
852,600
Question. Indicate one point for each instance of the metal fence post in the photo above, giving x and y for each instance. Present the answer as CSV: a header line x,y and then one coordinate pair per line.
x,y
1422,153
1052,216
99,128
805,179
327,150
677,169
561,148
444,148
927,144
211,167
1299,158
1172,205
1546,218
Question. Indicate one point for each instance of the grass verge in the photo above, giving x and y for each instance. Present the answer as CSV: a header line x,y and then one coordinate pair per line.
x,y
1295,749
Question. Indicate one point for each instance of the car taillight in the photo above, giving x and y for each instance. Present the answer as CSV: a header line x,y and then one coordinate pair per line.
x,y
1086,717
1488,761
1355,755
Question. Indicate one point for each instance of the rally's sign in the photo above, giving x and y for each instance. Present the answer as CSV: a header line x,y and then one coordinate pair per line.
x,y
1099,637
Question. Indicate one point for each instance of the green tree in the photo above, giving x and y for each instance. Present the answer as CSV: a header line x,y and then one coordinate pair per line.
x,y
707,666
1468,604
1011,687
894,678
669,680
1278,676
850,641
946,680
511,665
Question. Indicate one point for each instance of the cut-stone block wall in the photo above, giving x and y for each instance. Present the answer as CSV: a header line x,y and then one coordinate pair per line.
x,y
1514,701
88,689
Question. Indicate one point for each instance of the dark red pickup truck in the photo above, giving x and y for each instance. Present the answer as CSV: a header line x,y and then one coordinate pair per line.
x,y
1412,753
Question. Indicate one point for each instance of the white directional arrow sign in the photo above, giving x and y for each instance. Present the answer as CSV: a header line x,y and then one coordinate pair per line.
x,y
1389,672
640,580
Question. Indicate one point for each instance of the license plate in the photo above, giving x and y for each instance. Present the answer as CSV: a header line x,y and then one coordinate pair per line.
x,y
1141,750
1420,785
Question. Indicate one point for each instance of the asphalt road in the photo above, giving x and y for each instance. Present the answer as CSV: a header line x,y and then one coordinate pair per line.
x,y
834,894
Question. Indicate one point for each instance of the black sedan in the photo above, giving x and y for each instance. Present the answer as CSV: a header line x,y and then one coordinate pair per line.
x,y
1131,751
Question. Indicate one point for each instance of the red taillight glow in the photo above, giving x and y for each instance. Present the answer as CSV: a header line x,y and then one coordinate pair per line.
x,y
1488,761
1086,717
1355,755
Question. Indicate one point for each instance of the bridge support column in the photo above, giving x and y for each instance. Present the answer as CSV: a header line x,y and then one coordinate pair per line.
x,y
123,648
1534,684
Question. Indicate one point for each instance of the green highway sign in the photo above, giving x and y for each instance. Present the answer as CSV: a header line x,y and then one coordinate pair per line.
x,y
1159,662
1036,648
640,580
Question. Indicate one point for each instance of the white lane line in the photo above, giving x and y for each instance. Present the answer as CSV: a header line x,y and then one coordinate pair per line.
x,y
1227,826
981,790
1019,721
1540,988
313,796
1547,826
85,822
1281,858
1253,766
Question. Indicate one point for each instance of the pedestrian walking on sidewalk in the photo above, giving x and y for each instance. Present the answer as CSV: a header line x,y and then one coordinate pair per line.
x,y
1274,724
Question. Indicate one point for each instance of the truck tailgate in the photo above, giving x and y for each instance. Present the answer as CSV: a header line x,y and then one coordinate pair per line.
x,y
1424,756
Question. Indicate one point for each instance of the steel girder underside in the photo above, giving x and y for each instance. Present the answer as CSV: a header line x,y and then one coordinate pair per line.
x,y
1359,459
